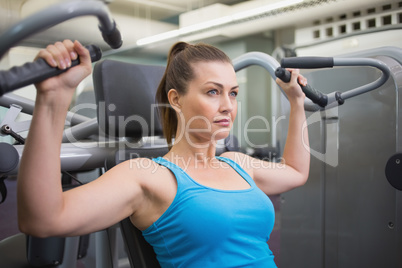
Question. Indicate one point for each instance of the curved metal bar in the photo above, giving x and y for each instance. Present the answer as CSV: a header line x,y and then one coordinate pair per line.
x,y
28,107
332,98
78,156
270,64
256,58
53,15
88,155
81,131
364,62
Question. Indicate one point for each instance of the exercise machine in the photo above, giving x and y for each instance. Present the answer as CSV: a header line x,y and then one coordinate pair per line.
x,y
111,146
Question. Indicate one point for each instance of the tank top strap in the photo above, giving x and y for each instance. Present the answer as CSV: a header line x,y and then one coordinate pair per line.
x,y
238,169
178,172
183,179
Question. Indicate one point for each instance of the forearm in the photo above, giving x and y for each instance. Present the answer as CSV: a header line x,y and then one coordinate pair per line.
x,y
39,184
41,205
297,151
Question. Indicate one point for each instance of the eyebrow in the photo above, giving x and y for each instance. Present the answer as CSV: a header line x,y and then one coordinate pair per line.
x,y
220,85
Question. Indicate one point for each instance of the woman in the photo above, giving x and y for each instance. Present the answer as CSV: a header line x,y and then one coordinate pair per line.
x,y
195,209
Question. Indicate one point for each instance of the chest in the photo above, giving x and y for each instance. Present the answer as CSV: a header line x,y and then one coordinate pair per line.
x,y
211,215
220,177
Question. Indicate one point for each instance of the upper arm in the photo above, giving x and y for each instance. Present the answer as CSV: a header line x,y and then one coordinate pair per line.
x,y
276,178
115,195
270,177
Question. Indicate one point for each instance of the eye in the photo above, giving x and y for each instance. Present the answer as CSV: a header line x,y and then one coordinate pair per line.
x,y
233,93
213,92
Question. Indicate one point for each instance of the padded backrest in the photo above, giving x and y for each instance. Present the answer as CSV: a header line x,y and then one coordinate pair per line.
x,y
125,95
125,98
140,253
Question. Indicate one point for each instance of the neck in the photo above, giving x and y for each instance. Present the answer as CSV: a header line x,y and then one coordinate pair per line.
x,y
193,154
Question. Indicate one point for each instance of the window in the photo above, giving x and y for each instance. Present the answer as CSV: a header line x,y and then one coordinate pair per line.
x,y
342,29
386,20
371,23
356,26
329,32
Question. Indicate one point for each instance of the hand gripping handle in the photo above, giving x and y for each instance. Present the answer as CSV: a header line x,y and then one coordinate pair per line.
x,y
37,71
311,93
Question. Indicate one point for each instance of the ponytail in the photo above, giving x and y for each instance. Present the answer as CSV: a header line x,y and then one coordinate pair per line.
x,y
167,114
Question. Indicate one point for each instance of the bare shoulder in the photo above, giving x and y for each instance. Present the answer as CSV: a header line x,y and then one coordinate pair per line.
x,y
131,174
154,179
143,170
158,188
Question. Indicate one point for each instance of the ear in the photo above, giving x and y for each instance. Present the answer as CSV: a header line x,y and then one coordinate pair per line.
x,y
174,99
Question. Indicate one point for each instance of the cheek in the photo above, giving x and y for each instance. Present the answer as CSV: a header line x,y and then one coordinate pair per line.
x,y
234,111
202,107
198,114
192,109
202,115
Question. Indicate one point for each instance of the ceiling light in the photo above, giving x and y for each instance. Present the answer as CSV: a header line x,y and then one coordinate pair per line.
x,y
158,37
174,8
205,25
216,22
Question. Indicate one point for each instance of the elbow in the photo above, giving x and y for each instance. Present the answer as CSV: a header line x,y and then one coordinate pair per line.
x,y
29,229
300,175
36,228
302,179
299,179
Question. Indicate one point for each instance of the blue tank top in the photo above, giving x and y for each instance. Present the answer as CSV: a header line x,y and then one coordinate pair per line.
x,y
208,227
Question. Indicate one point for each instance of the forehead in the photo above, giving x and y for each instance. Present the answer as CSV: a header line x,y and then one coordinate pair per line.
x,y
214,70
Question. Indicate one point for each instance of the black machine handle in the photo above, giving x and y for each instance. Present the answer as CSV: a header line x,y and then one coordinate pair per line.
x,y
307,62
37,71
112,37
311,93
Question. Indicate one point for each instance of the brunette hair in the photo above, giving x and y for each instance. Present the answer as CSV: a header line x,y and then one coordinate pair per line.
x,y
178,74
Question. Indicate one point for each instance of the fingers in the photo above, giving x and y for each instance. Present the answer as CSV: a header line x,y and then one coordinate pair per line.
x,y
296,76
302,80
60,54
293,88
83,53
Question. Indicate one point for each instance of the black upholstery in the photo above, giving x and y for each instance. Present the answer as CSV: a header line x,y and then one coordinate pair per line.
x,y
140,253
125,97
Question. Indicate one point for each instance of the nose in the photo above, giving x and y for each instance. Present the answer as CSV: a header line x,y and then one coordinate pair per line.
x,y
226,104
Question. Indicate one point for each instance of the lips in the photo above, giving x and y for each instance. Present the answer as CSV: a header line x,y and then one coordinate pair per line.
x,y
222,121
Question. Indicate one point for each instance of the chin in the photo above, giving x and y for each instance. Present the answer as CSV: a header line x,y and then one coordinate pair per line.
x,y
222,134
